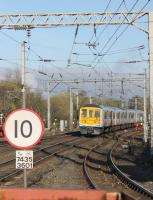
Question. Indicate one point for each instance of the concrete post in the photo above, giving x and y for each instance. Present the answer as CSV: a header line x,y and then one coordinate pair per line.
x,y
48,108
90,100
150,38
71,110
23,90
145,109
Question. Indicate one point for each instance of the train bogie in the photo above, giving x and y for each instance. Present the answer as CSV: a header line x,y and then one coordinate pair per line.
x,y
91,130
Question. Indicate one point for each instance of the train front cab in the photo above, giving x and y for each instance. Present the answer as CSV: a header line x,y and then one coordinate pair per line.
x,y
90,120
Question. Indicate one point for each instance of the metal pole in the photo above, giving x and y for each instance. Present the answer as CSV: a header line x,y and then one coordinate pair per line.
x,y
77,101
136,107
23,90
90,100
145,109
150,38
136,103
48,108
25,178
71,110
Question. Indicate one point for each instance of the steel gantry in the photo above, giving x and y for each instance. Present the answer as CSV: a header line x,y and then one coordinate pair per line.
x,y
29,21
96,80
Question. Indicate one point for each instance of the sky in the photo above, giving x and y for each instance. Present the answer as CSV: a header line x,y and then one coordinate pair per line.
x,y
57,43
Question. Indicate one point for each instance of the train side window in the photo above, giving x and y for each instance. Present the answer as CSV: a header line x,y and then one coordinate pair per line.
x,y
97,113
141,117
90,113
84,112
118,115
128,115
121,115
125,115
108,115
137,114
113,115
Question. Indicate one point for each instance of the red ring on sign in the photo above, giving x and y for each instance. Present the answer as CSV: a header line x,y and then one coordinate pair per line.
x,y
32,145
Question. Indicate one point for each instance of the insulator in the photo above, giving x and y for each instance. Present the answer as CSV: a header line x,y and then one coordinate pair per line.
x,y
95,30
28,32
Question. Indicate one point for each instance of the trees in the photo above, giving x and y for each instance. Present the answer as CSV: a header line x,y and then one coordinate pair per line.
x,y
60,107
11,99
10,96
136,102
37,103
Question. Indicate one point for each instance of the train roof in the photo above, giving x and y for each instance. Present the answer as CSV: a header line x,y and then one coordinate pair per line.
x,y
106,108
92,105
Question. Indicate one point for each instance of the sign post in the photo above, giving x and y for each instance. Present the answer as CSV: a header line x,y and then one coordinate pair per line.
x,y
23,129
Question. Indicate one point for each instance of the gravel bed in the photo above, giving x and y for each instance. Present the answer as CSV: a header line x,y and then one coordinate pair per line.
x,y
64,171
136,163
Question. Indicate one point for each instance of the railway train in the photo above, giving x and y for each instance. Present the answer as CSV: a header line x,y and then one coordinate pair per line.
x,y
95,119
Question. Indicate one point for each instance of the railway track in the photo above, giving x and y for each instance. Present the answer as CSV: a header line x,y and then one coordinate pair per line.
x,y
87,161
85,169
8,150
95,166
7,167
125,179
90,176
61,148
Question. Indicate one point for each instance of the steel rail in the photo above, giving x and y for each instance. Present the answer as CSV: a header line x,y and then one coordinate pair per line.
x,y
89,179
37,161
125,179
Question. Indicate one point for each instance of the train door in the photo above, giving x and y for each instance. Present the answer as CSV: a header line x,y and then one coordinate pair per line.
x,y
83,115
111,118
97,118
115,115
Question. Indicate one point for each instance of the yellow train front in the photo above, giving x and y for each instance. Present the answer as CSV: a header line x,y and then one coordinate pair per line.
x,y
96,119
90,120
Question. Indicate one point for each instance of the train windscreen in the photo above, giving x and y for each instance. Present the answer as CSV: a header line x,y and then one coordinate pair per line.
x,y
84,112
97,113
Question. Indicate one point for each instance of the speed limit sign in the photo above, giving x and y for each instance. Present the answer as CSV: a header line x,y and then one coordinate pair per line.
x,y
23,128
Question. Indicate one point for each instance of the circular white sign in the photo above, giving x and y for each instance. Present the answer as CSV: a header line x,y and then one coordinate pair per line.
x,y
23,128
